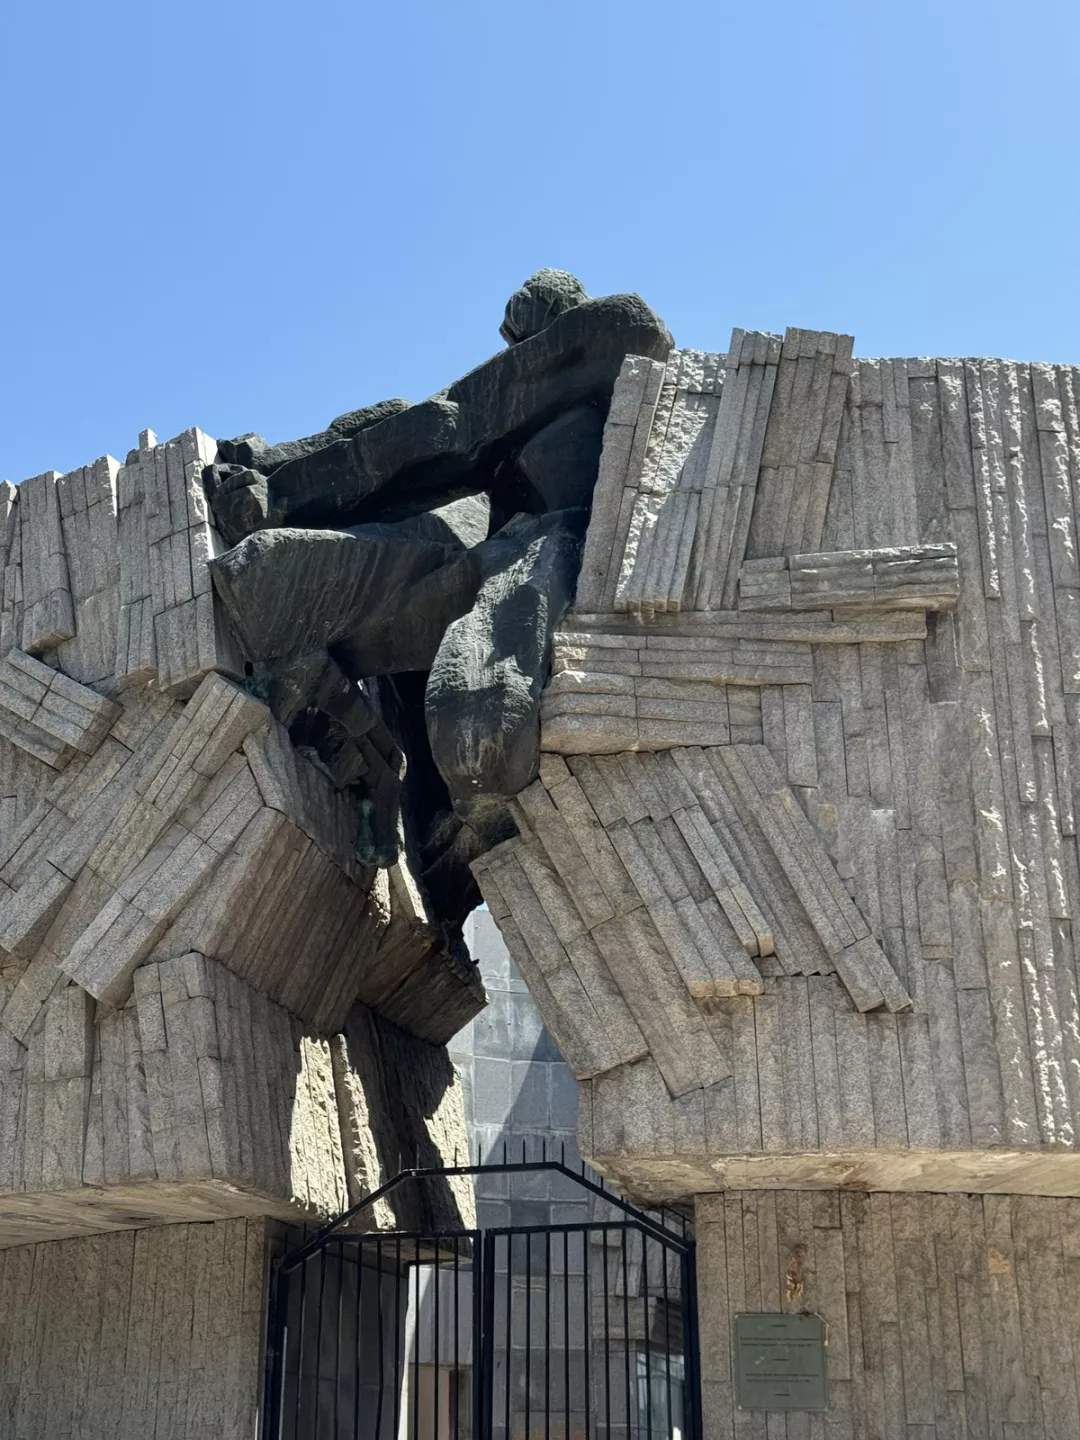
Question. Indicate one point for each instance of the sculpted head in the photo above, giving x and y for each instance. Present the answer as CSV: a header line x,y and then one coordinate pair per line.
x,y
543,296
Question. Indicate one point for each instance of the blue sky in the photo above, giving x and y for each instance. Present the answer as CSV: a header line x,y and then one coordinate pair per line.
x,y
252,216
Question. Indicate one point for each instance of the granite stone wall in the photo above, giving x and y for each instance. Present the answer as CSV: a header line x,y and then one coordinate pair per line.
x,y
215,1015
949,1317
795,889
796,885
153,1332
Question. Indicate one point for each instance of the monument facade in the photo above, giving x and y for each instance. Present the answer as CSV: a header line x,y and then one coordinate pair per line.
x,y
742,686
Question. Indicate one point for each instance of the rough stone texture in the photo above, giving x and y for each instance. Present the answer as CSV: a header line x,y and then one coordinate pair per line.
x,y
334,722
406,1110
168,627
926,744
49,715
155,1331
947,1315
901,577
176,836
252,452
632,927
152,814
559,463
200,1098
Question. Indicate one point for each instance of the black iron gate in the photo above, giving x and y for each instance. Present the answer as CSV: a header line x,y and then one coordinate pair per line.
x,y
579,1331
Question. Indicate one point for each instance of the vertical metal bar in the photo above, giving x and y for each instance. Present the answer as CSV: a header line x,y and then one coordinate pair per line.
x,y
626,1325
607,1341
340,1253
401,1366
547,1334
528,1319
457,1341
484,1338
587,1324
357,1358
277,1338
435,1321
300,1346
646,1328
566,1331
318,1329
416,1342
667,1340
382,1344
691,1358
509,1323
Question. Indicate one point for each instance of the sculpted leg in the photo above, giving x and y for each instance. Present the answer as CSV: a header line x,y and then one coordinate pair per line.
x,y
483,693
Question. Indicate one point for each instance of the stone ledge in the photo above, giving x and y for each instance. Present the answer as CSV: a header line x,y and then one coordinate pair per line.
x,y
908,577
975,1172
202,1099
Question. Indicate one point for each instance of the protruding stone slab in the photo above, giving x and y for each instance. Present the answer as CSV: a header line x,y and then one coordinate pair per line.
x,y
911,577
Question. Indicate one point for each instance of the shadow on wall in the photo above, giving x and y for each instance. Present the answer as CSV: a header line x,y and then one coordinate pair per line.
x,y
398,1106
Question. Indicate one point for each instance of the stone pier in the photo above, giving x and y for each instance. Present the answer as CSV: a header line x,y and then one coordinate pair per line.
x,y
217,1022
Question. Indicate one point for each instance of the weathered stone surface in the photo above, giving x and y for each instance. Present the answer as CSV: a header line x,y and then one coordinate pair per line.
x,y
483,695
162,1325
910,577
466,521
49,715
204,828
945,1312
240,499
333,720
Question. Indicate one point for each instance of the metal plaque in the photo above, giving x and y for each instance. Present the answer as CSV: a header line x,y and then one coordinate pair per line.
x,y
780,1362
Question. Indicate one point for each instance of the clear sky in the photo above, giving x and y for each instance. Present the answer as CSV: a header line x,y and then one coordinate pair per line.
x,y
253,216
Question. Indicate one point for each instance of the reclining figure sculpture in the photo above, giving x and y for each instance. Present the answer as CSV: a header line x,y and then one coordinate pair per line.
x,y
395,580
